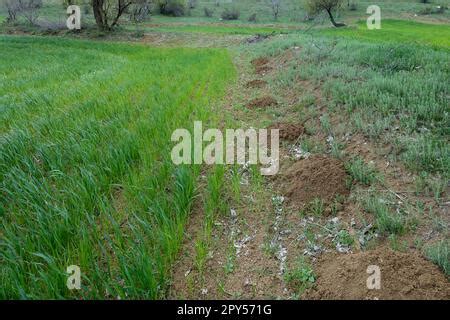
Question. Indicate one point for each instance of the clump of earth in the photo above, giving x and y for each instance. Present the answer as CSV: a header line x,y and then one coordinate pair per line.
x,y
261,65
317,177
262,102
402,276
256,84
288,131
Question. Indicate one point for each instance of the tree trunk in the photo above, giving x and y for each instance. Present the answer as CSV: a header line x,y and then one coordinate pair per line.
x,y
336,24
101,16
120,11
11,15
97,7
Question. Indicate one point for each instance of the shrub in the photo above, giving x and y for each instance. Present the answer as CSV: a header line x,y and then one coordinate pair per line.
x,y
140,12
252,18
176,8
28,8
426,10
12,7
440,9
315,7
433,10
192,4
230,14
208,12
86,9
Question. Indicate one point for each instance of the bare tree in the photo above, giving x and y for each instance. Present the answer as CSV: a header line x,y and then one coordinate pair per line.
x,y
318,6
30,9
140,10
176,8
108,12
12,7
192,4
275,5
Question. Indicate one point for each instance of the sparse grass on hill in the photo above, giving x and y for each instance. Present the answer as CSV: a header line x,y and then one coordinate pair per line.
x,y
394,93
398,31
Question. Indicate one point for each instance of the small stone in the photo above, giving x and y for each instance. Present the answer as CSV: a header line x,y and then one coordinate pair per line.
x,y
335,220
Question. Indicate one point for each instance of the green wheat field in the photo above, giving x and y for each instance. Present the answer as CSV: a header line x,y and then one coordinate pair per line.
x,y
86,119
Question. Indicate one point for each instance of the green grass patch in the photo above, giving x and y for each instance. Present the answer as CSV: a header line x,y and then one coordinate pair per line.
x,y
361,172
437,35
301,276
85,168
439,253
217,29
387,221
344,238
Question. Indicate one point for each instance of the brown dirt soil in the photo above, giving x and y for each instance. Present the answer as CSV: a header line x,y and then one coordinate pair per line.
x,y
260,62
183,267
255,274
263,102
256,84
261,65
288,131
403,276
316,177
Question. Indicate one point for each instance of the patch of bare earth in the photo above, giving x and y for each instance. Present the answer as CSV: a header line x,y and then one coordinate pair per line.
x,y
318,176
403,276
183,272
262,102
288,131
238,266
261,65
256,84
256,272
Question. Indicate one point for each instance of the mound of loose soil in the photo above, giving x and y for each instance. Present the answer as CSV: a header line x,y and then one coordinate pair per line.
x,y
260,62
261,65
256,84
263,102
288,131
403,276
316,177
